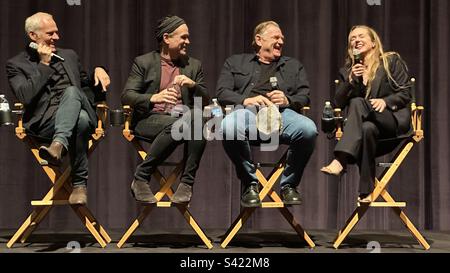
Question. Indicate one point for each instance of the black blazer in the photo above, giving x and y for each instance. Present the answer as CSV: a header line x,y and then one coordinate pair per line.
x,y
145,79
397,101
239,75
28,79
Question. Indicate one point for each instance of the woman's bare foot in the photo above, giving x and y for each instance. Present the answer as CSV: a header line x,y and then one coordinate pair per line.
x,y
335,168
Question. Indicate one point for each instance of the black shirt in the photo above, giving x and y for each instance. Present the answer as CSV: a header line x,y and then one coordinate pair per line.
x,y
58,82
263,86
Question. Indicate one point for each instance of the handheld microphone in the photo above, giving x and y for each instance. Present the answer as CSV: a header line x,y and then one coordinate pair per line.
x,y
274,83
33,45
357,56
358,60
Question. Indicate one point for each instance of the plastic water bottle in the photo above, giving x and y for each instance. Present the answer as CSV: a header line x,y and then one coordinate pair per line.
x,y
5,111
216,110
4,105
328,120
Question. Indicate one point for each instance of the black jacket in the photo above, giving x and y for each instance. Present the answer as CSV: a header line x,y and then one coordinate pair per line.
x,y
397,101
29,81
238,78
145,79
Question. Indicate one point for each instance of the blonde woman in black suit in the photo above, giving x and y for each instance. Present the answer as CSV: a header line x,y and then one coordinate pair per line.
x,y
374,87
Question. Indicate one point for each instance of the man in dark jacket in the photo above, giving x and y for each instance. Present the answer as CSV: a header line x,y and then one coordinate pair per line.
x,y
161,85
53,91
266,79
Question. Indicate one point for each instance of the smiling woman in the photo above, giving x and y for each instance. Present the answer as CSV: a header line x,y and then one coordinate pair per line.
x,y
375,88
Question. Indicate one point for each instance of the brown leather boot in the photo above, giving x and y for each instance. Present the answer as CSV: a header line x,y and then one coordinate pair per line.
x,y
78,196
183,194
52,154
142,192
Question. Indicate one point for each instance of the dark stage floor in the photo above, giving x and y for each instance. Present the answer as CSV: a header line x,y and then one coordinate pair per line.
x,y
44,241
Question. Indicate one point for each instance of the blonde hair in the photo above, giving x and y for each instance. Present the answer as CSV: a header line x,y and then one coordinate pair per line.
x,y
374,59
34,22
260,29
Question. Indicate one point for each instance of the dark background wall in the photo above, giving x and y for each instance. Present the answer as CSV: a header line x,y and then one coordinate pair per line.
x,y
113,32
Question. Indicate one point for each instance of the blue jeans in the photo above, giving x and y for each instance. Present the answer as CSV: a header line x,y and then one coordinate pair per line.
x,y
298,131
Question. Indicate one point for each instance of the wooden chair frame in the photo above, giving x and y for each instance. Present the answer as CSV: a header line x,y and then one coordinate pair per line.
x,y
382,182
165,190
61,189
276,202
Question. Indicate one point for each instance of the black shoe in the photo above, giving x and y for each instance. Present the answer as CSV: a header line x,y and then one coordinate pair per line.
x,y
250,199
290,196
183,194
142,193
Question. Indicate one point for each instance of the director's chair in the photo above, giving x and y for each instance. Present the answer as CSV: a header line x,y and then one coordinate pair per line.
x,y
165,183
381,183
61,189
267,192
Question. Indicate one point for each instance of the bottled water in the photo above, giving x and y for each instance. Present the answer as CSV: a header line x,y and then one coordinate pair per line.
x,y
328,120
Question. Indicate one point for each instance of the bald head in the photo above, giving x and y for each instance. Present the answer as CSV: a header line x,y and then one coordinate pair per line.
x,y
35,21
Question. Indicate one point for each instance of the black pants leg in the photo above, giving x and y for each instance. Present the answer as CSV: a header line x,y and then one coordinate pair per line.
x,y
378,126
362,132
159,129
350,143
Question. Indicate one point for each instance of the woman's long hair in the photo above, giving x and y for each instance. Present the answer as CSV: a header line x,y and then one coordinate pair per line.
x,y
373,59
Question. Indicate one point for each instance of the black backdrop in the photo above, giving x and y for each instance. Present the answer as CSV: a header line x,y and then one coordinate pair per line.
x,y
113,32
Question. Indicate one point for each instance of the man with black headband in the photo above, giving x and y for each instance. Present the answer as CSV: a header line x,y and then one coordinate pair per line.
x,y
59,98
266,78
160,82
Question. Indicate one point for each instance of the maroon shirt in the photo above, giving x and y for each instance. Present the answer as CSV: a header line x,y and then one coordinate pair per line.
x,y
168,73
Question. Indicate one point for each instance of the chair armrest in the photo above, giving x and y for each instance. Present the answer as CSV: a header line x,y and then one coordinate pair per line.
x,y
339,120
102,115
416,120
128,112
19,110
305,110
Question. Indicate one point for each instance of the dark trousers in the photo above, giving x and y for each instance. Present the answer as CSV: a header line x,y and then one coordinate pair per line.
x,y
157,128
71,125
363,130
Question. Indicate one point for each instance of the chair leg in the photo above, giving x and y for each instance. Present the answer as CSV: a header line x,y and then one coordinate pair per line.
x,y
28,226
85,210
191,221
298,228
267,184
350,224
89,225
236,226
40,215
135,225
408,224
166,189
